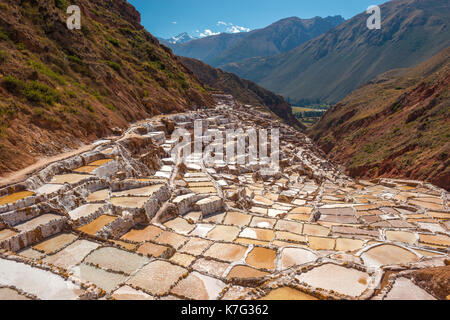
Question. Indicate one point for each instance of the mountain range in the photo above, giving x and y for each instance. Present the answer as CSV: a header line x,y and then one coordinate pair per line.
x,y
279,37
179,39
330,66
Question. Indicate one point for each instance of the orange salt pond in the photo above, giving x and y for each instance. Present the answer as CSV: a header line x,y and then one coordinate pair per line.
x,y
387,254
245,272
262,258
153,250
129,202
223,233
332,277
97,196
85,169
55,243
97,225
157,277
13,198
149,233
286,293
100,162
226,252
199,287
69,178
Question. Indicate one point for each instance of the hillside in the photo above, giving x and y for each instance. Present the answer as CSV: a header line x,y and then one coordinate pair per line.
x,y
329,67
244,91
396,126
61,88
279,37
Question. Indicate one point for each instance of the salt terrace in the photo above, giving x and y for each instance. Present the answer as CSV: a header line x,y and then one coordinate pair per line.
x,y
126,221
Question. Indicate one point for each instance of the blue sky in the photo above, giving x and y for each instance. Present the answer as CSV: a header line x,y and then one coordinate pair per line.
x,y
166,18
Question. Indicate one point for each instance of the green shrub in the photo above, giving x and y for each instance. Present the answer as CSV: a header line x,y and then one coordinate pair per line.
x,y
3,35
114,42
75,59
114,65
39,92
35,91
61,4
13,85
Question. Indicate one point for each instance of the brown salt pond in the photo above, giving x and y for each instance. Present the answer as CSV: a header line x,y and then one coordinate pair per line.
x,y
211,267
153,250
223,233
123,261
13,198
172,239
138,192
237,218
185,260
157,277
129,202
287,294
294,257
180,225
141,235
226,252
332,277
401,236
38,221
72,254
10,294
196,246
258,234
101,278
129,293
70,178
98,196
405,289
85,169
97,225
55,243
199,287
100,162
245,272
387,254
262,258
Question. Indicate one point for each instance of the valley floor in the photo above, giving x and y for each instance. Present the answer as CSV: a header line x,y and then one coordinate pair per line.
x,y
124,220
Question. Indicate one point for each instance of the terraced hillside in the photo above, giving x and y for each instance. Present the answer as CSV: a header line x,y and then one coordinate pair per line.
x,y
396,126
61,88
130,220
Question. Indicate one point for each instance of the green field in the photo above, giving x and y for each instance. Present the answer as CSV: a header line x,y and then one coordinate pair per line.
x,y
309,115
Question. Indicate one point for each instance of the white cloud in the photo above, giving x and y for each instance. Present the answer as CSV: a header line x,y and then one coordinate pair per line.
x,y
174,22
208,33
237,29
221,23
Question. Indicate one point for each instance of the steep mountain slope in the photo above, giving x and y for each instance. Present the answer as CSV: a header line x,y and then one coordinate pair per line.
x,y
61,88
329,67
279,37
244,91
396,126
